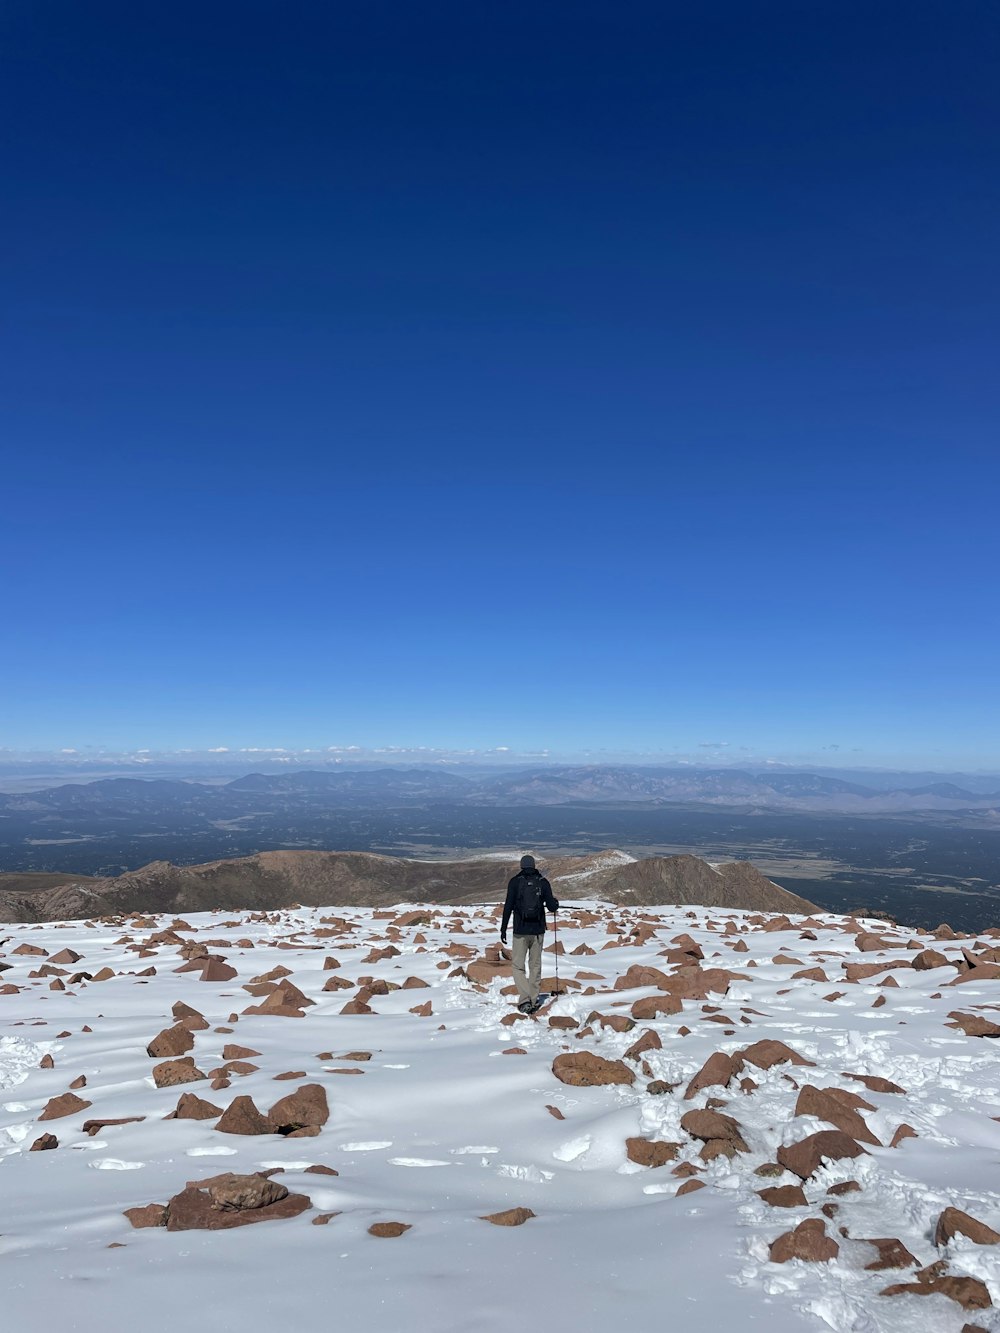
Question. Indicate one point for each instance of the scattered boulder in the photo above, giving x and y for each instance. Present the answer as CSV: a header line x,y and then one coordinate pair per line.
x,y
784,1196
806,1156
510,1217
808,1241
892,1253
720,1133
833,1105
152,1215
767,1053
171,1072
243,1117
583,1069
388,1229
190,1107
306,1106
231,1200
717,1070
66,1104
649,1152
953,1222
44,1143
171,1042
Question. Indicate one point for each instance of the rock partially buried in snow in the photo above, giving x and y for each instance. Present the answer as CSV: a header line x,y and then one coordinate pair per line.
x,y
171,1072
808,1241
510,1217
243,1117
231,1200
583,1069
652,1153
171,1042
386,1230
953,1222
68,1104
806,1156
305,1107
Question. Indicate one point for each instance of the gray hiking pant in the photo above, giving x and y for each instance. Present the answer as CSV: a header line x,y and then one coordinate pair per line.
x,y
527,948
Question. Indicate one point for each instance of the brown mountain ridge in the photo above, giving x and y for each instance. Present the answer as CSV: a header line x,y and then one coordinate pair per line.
x,y
272,880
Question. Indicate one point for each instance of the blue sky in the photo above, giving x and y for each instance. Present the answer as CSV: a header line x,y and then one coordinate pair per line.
x,y
567,377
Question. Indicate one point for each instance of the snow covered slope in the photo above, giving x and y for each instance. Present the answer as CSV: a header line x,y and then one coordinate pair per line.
x,y
459,1112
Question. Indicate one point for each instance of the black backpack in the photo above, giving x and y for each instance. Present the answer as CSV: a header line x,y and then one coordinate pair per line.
x,y
529,900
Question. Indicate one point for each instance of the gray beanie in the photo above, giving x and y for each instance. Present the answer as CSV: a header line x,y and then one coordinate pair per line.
x,y
527,863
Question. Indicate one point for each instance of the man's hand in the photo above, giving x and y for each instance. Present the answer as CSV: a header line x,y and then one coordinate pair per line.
x,y
503,937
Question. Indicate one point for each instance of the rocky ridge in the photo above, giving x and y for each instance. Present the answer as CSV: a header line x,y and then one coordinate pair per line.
x,y
271,881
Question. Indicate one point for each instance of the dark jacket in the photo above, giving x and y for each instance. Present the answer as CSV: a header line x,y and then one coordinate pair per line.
x,y
531,879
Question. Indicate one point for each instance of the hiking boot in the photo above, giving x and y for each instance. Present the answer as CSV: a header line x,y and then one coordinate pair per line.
x,y
525,1006
535,1006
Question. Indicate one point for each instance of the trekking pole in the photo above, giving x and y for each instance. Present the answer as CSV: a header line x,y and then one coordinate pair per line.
x,y
555,949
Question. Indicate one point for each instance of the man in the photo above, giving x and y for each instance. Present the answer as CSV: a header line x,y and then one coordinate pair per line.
x,y
529,893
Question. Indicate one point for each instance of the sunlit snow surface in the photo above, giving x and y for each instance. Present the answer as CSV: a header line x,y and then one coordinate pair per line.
x,y
437,1131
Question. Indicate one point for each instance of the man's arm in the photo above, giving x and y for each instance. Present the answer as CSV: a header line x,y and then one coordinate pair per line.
x,y
550,902
508,907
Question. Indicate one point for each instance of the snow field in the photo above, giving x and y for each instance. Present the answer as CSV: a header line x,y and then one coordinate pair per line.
x,y
441,1127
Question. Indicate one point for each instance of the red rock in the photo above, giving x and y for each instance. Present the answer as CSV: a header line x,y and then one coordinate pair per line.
x,y
79,1082
953,1222
652,1006
875,1084
422,1010
171,1072
583,1069
808,1241
650,1153
357,1007
242,1117
638,975
554,1111
649,1041
170,1042
968,1292
65,956
825,1104
67,1104
44,1143
713,1127
188,1017
232,1052
388,1229
806,1156
46,1062
152,1215
784,1196
321,1171
765,1054
717,1071
306,1106
903,1132
974,1025
689,1186
928,959
510,1217
190,1107
92,1127
231,1201
892,1253
845,1187
557,1021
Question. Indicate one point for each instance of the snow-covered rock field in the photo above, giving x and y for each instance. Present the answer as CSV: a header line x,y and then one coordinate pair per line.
x,y
731,1038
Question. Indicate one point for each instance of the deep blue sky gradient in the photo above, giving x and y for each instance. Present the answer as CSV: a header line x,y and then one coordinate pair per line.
x,y
533,374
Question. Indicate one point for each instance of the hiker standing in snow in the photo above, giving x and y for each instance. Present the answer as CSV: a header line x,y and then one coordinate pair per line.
x,y
529,893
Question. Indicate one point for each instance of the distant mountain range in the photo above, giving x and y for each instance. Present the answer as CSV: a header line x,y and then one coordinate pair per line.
x,y
273,880
387,788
